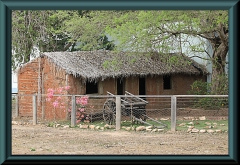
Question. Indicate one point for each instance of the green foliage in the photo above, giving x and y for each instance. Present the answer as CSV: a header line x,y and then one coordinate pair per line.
x,y
209,103
222,85
200,88
168,31
103,43
56,30
204,88
113,64
163,31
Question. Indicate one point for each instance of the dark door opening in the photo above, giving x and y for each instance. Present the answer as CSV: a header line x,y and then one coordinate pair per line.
x,y
120,86
167,82
142,87
91,87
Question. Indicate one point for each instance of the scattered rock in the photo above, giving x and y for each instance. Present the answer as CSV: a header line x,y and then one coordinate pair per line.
x,y
218,131
202,118
160,130
127,128
149,127
83,126
148,130
190,127
189,130
107,126
57,125
164,118
222,124
14,122
92,127
154,130
182,124
194,130
97,127
209,126
210,131
66,126
141,128
191,123
202,131
112,126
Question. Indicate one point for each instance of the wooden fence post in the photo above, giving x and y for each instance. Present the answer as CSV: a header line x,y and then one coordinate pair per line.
x,y
73,112
173,112
34,105
118,113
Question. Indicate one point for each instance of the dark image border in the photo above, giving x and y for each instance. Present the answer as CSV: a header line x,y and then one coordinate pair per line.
x,y
6,6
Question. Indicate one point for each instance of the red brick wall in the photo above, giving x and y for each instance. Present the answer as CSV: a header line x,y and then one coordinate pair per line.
x,y
109,85
51,77
54,77
181,84
27,85
131,85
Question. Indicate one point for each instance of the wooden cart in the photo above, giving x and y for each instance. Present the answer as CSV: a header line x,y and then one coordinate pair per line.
x,y
131,106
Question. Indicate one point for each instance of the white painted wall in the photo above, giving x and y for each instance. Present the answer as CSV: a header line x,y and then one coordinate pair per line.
x,y
14,82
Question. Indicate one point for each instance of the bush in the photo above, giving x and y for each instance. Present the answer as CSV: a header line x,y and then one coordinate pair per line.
x,y
204,88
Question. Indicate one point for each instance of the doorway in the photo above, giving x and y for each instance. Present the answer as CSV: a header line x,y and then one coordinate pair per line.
x,y
142,87
120,86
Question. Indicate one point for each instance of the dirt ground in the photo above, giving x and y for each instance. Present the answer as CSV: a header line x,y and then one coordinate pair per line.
x,y
42,140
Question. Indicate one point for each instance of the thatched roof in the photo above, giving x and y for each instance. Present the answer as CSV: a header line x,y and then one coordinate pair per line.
x,y
102,64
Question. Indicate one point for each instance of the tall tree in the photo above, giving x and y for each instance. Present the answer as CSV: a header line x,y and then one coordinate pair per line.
x,y
31,29
55,30
162,31
167,31
87,28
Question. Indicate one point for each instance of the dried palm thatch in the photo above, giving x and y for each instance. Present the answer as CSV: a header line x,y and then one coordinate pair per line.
x,y
102,64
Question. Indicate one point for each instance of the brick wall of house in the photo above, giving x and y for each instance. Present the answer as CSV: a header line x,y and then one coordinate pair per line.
x,y
32,80
131,85
180,85
40,75
27,86
108,85
52,78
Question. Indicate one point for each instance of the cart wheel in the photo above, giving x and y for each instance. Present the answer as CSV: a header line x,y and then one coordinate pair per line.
x,y
109,111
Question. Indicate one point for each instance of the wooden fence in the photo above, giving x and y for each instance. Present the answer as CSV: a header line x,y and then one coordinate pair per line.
x,y
174,99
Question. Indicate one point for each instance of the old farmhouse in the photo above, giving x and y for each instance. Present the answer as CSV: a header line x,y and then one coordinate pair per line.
x,y
96,72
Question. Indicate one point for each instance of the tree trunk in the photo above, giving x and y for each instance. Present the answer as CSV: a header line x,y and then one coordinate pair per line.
x,y
219,77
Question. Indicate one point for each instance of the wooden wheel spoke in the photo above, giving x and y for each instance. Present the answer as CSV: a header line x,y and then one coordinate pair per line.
x,y
108,111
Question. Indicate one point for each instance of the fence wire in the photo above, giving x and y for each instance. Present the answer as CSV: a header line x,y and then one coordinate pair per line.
x,y
102,108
